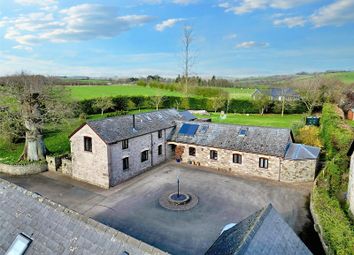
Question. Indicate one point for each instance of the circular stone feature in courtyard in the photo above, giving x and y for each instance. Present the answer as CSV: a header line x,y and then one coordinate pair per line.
x,y
181,201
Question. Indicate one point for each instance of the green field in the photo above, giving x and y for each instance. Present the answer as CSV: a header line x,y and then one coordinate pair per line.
x,y
271,120
240,93
89,92
346,77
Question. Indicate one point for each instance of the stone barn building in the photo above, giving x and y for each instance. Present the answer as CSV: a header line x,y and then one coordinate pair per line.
x,y
257,151
109,151
350,198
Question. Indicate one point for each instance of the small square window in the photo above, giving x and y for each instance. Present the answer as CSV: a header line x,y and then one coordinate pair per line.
x,y
19,245
145,156
160,134
213,155
87,143
191,151
159,149
125,144
263,162
237,158
125,163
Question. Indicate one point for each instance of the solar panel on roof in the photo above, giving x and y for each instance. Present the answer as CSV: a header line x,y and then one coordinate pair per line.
x,y
188,129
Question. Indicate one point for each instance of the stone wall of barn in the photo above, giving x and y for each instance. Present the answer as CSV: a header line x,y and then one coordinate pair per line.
x,y
278,169
91,167
298,170
224,163
351,186
136,146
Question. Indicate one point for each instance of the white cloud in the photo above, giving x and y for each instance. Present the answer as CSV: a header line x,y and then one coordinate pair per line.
x,y
23,47
168,24
178,2
290,22
184,2
251,44
37,2
77,23
337,13
230,36
246,6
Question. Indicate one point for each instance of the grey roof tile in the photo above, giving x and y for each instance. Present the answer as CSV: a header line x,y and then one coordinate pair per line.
x,y
297,151
260,140
55,230
262,233
277,92
188,116
115,129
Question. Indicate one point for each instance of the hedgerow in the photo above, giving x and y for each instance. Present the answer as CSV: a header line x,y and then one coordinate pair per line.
x,y
337,229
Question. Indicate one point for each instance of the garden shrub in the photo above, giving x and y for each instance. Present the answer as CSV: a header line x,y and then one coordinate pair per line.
x,y
309,135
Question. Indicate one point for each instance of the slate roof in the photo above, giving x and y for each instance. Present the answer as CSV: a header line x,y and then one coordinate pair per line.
x,y
55,229
112,130
264,232
301,151
188,116
277,92
260,140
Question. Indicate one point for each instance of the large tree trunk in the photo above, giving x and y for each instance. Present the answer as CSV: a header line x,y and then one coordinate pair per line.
x,y
34,149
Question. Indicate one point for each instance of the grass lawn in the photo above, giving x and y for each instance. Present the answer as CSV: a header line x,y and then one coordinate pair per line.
x,y
240,93
345,77
88,92
271,120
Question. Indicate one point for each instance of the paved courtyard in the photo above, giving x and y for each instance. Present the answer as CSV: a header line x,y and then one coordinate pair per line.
x,y
133,207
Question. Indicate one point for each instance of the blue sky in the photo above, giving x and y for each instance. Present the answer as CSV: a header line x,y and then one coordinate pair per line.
x,y
232,38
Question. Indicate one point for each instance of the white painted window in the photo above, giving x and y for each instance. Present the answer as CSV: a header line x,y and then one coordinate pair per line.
x,y
214,155
125,144
87,143
126,163
237,158
145,156
263,162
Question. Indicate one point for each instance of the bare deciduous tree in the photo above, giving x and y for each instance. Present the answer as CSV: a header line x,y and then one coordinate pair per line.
x,y
318,89
262,102
187,57
37,100
156,101
103,104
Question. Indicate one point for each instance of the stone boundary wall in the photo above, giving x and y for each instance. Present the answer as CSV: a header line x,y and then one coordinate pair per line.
x,y
33,168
